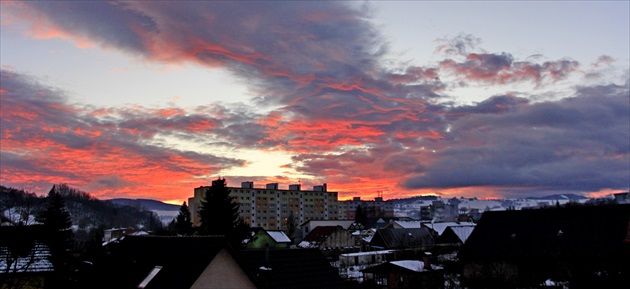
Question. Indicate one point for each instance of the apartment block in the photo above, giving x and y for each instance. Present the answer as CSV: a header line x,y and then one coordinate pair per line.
x,y
376,208
271,207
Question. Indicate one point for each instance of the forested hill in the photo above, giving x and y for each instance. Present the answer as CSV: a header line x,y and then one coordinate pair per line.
x,y
147,204
87,213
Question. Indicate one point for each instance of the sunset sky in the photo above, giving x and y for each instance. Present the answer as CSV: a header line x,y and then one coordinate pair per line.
x,y
152,99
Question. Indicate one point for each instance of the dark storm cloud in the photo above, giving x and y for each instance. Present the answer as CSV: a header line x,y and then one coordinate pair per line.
x,y
578,144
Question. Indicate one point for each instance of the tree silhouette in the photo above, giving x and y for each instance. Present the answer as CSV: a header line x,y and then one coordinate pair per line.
x,y
57,224
183,222
360,216
218,214
56,218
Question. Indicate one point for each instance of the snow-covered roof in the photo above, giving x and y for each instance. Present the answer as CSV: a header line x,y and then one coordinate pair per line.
x,y
307,244
367,253
279,236
413,265
35,261
440,227
463,231
408,224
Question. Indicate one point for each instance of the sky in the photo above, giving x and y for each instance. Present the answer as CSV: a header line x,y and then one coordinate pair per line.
x,y
145,99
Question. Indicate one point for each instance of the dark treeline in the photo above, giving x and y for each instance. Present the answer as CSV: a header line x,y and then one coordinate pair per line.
x,y
18,207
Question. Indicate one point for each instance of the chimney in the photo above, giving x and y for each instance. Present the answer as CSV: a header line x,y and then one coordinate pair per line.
x,y
427,261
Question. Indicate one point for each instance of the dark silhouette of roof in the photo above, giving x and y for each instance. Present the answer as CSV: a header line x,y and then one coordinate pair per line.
x,y
182,260
292,268
583,230
27,249
390,238
320,233
584,245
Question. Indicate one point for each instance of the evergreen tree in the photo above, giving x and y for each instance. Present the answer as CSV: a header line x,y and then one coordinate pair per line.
x,y
360,216
218,214
57,224
56,218
183,222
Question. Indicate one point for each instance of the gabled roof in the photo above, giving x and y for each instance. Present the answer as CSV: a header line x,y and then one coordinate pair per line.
x,y
320,233
585,231
182,260
26,247
293,268
391,238
439,227
408,224
411,266
344,223
279,236
457,234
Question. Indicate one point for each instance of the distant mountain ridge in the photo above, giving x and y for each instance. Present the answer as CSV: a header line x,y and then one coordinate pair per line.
x,y
152,205
572,197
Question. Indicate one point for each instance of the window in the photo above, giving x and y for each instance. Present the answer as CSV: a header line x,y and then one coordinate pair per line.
x,y
380,279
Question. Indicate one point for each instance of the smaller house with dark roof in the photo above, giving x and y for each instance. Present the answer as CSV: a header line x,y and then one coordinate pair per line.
x,y
405,274
418,238
292,269
262,238
328,237
583,246
24,256
456,235
153,262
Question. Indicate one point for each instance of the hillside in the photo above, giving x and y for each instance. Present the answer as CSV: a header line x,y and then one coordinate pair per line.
x,y
87,213
147,204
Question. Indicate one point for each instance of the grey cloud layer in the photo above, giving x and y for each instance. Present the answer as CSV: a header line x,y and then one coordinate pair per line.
x,y
346,111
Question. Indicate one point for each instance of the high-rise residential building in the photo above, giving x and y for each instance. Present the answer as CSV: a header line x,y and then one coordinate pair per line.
x,y
271,207
376,208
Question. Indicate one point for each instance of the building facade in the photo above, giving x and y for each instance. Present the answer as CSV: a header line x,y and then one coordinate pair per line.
x,y
376,208
272,208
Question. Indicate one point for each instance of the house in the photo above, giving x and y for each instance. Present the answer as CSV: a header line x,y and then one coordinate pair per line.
x,y
172,262
262,238
328,237
582,245
404,274
292,269
440,227
351,264
419,238
24,257
622,198
312,224
455,234
406,224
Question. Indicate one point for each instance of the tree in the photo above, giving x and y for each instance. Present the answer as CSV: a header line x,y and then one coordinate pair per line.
x,y
291,225
57,225
360,216
219,215
183,222
56,218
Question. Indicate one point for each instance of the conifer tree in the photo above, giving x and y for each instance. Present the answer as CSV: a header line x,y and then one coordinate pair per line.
x,y
57,224
183,222
360,216
56,218
219,215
